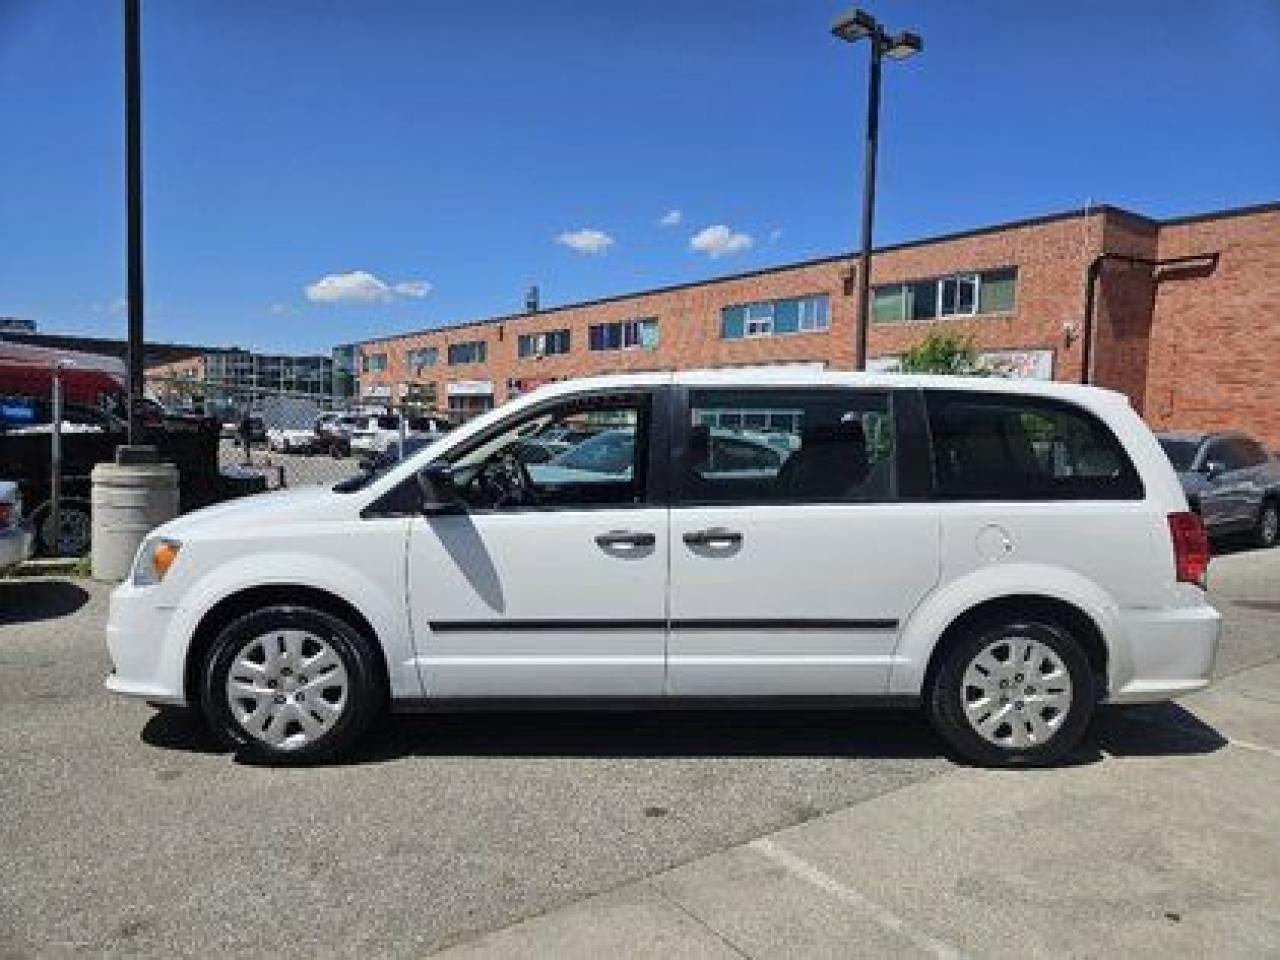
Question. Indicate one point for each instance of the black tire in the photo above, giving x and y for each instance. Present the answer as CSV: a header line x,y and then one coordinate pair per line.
x,y
76,520
1266,534
945,697
362,702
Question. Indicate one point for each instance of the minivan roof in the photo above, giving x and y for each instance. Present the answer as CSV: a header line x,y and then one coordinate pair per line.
x,y
802,377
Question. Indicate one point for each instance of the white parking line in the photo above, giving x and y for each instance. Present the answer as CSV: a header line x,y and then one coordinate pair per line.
x,y
1257,747
1231,741
881,915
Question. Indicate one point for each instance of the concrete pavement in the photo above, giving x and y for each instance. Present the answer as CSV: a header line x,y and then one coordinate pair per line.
x,y
812,833
1152,855
1169,845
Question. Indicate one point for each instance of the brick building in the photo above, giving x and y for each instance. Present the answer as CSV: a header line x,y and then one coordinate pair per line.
x,y
1183,315
231,377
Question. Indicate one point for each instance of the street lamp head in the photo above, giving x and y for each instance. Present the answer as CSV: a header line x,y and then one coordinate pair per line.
x,y
905,44
855,25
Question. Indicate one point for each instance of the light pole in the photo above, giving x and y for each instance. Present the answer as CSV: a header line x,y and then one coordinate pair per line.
x,y
133,191
851,27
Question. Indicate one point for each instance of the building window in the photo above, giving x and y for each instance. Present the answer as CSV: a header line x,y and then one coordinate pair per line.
x,y
423,357
472,351
959,295
546,344
469,405
771,318
375,362
625,335
758,320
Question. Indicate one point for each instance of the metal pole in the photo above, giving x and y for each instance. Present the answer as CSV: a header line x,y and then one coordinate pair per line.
x,y
868,201
55,464
133,189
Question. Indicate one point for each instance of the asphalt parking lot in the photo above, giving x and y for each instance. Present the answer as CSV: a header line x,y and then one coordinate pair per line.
x,y
775,834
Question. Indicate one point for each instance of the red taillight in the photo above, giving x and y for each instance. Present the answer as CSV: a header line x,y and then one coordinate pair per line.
x,y
1190,547
6,514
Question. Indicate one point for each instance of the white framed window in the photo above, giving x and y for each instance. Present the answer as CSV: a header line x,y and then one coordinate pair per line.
x,y
758,321
423,357
814,314
624,335
958,295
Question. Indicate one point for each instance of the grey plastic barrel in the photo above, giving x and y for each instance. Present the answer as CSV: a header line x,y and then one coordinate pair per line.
x,y
129,501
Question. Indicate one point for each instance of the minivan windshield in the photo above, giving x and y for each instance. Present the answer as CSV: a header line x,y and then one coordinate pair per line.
x,y
1181,453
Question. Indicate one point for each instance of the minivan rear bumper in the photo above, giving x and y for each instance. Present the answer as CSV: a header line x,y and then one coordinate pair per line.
x,y
1166,653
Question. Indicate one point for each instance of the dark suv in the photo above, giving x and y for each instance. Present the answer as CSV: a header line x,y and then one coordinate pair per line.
x,y
1230,480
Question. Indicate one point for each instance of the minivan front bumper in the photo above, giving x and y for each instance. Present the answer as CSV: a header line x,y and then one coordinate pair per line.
x,y
1166,653
147,663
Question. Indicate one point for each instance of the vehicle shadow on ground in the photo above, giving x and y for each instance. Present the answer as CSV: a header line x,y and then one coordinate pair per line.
x,y
28,601
1154,730
1151,731
1229,545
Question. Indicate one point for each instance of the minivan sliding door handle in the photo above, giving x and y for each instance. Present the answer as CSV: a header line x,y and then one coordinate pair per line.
x,y
713,537
626,538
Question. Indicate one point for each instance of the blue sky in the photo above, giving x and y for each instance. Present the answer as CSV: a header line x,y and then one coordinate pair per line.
x,y
389,145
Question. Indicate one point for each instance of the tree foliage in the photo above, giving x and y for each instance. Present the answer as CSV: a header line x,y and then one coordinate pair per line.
x,y
944,352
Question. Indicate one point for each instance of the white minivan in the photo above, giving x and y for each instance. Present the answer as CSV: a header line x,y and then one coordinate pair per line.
x,y
1003,555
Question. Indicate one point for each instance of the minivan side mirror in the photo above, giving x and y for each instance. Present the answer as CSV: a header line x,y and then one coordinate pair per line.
x,y
439,493
1214,469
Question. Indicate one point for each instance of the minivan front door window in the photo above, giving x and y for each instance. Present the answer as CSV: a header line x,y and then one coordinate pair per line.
x,y
587,452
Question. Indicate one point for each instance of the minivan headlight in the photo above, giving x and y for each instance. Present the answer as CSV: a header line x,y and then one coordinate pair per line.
x,y
154,559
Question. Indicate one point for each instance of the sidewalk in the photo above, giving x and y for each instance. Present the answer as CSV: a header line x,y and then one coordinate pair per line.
x,y
1169,844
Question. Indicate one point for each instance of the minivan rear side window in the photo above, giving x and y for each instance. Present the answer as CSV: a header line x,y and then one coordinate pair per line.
x,y
992,447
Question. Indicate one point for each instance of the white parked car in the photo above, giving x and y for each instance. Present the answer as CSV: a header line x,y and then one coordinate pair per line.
x,y
378,432
292,440
15,531
1003,555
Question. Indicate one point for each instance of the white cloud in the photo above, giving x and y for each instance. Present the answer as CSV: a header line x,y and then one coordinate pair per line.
x,y
719,240
281,309
412,288
775,234
671,218
586,240
360,286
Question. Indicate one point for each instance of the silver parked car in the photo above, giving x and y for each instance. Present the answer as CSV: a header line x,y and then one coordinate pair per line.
x,y
15,532
1230,480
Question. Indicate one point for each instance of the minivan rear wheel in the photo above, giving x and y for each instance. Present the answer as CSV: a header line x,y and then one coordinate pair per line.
x,y
1013,693
291,684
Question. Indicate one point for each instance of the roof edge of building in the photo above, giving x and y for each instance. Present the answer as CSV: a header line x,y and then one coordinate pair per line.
x,y
1248,210
1091,210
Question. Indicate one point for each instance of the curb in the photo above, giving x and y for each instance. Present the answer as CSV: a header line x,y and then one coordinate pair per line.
x,y
46,567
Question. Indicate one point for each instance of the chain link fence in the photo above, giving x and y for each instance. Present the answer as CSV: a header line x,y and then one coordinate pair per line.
x,y
226,440
295,438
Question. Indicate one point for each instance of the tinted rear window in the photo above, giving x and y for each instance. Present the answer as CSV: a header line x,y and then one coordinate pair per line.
x,y
1181,453
990,447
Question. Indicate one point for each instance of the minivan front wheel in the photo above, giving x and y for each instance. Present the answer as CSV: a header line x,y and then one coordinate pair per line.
x,y
290,685
1013,693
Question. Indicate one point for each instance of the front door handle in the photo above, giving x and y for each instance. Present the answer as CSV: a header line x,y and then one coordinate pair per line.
x,y
713,537
626,538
